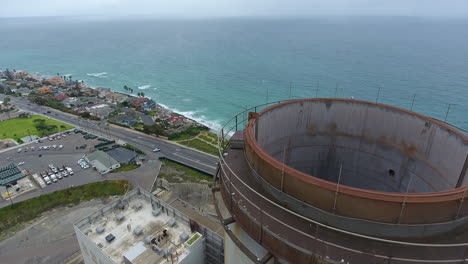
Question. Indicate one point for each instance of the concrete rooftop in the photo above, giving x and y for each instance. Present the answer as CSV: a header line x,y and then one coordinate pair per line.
x,y
125,239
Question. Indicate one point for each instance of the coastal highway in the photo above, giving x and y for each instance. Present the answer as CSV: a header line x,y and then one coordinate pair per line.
x,y
193,158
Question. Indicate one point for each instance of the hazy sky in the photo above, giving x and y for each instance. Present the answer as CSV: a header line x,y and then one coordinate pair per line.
x,y
203,8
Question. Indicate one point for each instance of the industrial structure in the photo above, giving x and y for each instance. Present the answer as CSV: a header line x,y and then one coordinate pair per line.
x,y
138,228
9,174
342,181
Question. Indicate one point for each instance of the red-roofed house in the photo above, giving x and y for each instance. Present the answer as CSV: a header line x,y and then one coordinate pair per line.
x,y
138,101
55,81
61,97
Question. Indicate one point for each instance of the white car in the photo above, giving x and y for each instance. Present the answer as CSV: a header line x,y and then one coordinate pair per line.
x,y
19,150
58,175
53,178
156,150
70,171
54,146
47,180
61,147
21,163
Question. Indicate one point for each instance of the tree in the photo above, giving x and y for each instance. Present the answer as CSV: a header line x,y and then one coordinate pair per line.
x,y
6,101
142,94
125,87
58,74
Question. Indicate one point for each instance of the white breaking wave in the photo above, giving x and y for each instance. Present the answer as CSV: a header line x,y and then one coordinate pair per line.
x,y
97,74
144,87
194,115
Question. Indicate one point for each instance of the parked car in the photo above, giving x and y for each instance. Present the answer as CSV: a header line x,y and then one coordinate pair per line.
x,y
54,146
33,148
25,149
53,178
58,175
21,163
70,171
61,147
47,180
19,150
156,150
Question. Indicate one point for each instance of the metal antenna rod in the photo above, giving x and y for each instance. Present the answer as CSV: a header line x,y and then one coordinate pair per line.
x,y
316,91
378,94
336,89
282,169
337,188
446,114
412,103
290,88
403,204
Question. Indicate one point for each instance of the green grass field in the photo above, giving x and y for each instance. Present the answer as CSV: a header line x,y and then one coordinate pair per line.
x,y
172,172
200,145
21,127
13,217
126,167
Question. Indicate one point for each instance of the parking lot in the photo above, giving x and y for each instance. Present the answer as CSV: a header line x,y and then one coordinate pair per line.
x,y
35,158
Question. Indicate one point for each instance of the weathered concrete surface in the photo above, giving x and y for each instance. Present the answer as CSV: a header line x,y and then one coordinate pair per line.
x,y
49,239
382,151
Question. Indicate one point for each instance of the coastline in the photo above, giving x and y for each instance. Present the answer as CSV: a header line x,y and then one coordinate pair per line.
x,y
182,113
213,125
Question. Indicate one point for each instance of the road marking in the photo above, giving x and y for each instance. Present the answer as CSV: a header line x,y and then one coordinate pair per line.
x,y
196,161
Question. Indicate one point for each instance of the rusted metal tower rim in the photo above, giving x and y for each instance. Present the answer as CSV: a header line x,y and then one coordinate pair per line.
x,y
435,197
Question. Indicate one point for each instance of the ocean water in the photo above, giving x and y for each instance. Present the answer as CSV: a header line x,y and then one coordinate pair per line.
x,y
211,69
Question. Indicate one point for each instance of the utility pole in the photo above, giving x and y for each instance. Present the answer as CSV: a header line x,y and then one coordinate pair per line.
x,y
6,186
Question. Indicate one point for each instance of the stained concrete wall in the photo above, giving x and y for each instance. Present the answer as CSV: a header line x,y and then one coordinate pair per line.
x,y
368,140
379,148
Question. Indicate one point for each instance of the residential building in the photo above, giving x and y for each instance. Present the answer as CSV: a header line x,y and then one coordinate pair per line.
x,y
102,92
136,102
55,81
100,110
116,98
44,90
148,105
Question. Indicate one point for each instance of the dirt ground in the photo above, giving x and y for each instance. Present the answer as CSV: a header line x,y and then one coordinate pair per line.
x,y
7,143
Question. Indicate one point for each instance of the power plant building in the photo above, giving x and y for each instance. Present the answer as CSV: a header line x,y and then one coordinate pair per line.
x,y
141,229
342,181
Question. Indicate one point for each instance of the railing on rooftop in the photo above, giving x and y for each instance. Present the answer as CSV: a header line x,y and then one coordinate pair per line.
x,y
307,232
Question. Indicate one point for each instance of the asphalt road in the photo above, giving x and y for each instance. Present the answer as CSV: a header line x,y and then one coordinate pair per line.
x,y
195,159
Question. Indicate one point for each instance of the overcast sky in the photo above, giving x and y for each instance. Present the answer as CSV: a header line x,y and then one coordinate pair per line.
x,y
219,8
